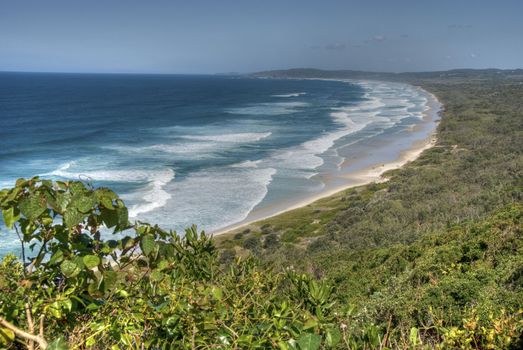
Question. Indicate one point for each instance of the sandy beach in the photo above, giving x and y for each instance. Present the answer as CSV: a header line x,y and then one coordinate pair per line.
x,y
347,177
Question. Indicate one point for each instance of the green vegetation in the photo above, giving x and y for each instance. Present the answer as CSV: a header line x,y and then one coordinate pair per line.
x,y
432,258
437,245
148,289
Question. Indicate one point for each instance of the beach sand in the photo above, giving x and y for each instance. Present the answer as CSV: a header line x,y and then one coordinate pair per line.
x,y
347,178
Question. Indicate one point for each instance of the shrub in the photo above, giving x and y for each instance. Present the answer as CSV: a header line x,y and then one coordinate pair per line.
x,y
271,241
148,289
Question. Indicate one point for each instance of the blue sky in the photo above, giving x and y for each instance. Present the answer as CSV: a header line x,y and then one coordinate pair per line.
x,y
198,36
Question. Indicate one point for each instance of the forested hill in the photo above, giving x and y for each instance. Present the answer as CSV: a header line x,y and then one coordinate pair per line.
x,y
437,247
470,74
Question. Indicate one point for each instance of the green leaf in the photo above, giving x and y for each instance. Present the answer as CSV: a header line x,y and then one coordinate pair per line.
x,y
310,323
309,341
10,195
79,262
67,304
106,197
217,293
56,257
109,279
147,244
157,276
32,207
333,336
162,265
91,261
109,217
9,217
77,187
58,344
413,336
372,335
127,242
92,307
93,289
55,310
105,192
21,182
61,201
61,185
107,202
47,183
117,217
84,203
7,336
282,345
70,268
91,341
245,340
27,227
73,217
123,216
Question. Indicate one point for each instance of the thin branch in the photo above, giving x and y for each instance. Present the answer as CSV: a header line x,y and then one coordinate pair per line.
x,y
22,243
386,337
23,334
41,326
38,259
30,345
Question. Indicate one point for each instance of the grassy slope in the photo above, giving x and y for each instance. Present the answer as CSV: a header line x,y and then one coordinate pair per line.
x,y
443,232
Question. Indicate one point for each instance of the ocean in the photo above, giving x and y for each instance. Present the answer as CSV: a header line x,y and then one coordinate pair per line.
x,y
208,150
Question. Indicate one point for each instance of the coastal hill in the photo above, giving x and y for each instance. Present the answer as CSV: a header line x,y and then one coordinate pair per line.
x,y
473,74
440,243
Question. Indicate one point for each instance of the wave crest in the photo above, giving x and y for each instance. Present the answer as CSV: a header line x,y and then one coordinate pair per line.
x,y
293,94
153,193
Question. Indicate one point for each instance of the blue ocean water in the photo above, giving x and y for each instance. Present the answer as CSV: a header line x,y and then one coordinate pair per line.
x,y
191,149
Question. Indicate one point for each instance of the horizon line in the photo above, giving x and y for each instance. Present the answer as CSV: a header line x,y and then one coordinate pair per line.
x,y
260,71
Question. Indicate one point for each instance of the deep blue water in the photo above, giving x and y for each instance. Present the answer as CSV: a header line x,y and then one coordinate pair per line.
x,y
190,149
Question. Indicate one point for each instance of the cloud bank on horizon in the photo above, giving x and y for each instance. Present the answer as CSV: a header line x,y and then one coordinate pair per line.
x,y
207,36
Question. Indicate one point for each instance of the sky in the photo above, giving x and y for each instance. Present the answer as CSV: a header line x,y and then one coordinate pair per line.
x,y
221,36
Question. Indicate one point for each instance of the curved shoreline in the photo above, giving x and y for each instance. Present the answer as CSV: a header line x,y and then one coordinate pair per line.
x,y
367,175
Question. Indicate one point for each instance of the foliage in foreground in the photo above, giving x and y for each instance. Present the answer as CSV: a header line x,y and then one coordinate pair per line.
x,y
154,289
148,289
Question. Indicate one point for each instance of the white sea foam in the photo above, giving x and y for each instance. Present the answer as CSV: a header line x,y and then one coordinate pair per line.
x,y
276,108
384,105
392,103
190,148
197,145
214,198
6,184
247,164
307,156
294,94
150,197
154,195
231,138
